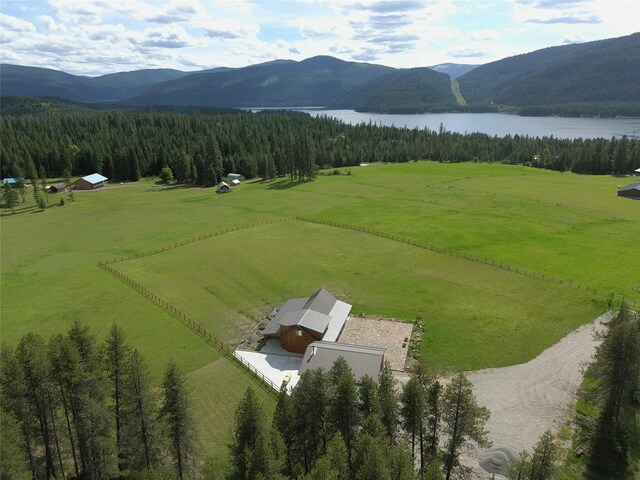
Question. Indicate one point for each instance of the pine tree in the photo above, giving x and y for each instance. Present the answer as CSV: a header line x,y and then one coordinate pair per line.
x,y
463,419
139,428
343,413
12,457
412,411
68,183
115,356
10,197
250,450
388,400
368,396
176,415
544,461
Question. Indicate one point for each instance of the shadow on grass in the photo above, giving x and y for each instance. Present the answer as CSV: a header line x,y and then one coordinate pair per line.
x,y
284,184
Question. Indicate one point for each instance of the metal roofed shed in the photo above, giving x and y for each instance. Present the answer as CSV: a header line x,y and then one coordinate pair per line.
x,y
90,182
363,360
235,176
630,191
223,187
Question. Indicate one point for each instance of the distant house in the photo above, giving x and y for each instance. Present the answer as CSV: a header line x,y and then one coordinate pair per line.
x,y
630,191
90,182
57,188
636,172
235,176
235,182
222,187
302,321
362,360
14,182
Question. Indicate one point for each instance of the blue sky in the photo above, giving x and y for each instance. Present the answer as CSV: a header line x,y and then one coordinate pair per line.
x,y
94,37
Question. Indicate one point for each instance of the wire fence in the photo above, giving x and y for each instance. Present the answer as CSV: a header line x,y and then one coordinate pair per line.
x,y
193,240
197,328
444,251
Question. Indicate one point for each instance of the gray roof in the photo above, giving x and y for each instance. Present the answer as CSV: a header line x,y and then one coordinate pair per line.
x,y
308,312
362,359
633,186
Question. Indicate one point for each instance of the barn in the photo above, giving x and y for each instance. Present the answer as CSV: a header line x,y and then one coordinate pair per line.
x,y
223,187
90,182
630,191
302,321
56,188
12,182
235,176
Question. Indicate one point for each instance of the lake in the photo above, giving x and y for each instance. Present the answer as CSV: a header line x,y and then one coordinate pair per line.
x,y
500,124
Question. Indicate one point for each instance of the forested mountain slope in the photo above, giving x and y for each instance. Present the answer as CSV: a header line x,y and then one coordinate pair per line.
x,y
313,82
602,71
411,90
34,81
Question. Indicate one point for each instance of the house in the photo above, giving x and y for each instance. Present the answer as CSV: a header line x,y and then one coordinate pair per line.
x,y
630,191
235,176
222,187
90,182
57,188
302,321
13,182
363,360
636,172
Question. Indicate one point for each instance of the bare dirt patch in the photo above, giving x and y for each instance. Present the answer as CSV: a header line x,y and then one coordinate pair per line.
x,y
380,332
526,400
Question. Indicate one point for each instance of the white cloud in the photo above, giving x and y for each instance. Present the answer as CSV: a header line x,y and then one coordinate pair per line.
x,y
50,24
13,24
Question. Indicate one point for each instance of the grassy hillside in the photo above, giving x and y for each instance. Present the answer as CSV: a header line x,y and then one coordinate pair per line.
x,y
569,226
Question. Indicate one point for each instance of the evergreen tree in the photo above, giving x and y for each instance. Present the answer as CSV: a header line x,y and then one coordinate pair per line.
x,y
251,454
10,197
139,439
544,461
115,355
283,421
176,415
520,468
368,396
68,183
388,400
12,458
343,413
463,420
412,411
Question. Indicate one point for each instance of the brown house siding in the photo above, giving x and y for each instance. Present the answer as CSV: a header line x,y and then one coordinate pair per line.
x,y
82,184
292,342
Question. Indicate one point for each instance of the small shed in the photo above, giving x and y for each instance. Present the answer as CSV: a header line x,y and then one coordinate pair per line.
x,y
630,191
56,188
235,182
222,187
636,172
363,360
13,182
235,176
90,182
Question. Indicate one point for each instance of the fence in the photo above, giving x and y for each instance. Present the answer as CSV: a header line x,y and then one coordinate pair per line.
x,y
193,240
444,251
196,327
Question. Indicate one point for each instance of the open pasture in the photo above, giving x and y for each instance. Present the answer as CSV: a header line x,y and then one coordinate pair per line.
x,y
467,306
567,226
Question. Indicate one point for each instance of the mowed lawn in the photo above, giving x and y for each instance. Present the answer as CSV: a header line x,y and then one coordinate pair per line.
x,y
569,226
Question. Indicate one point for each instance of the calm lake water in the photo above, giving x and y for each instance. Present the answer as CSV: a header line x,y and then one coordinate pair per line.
x,y
499,124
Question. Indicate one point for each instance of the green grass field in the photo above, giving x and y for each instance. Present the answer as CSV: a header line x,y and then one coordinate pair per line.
x,y
568,226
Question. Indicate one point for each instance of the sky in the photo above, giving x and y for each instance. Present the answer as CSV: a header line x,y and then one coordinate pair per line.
x,y
95,37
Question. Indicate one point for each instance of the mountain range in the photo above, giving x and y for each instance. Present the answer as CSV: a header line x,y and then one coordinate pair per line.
x,y
600,75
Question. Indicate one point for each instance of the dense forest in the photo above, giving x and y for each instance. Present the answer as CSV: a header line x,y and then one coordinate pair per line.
x,y
203,146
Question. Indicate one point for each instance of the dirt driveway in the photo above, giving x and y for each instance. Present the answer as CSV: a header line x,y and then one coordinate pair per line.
x,y
528,399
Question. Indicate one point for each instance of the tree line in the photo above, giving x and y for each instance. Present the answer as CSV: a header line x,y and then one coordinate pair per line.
x,y
202,148
334,428
73,407
614,379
